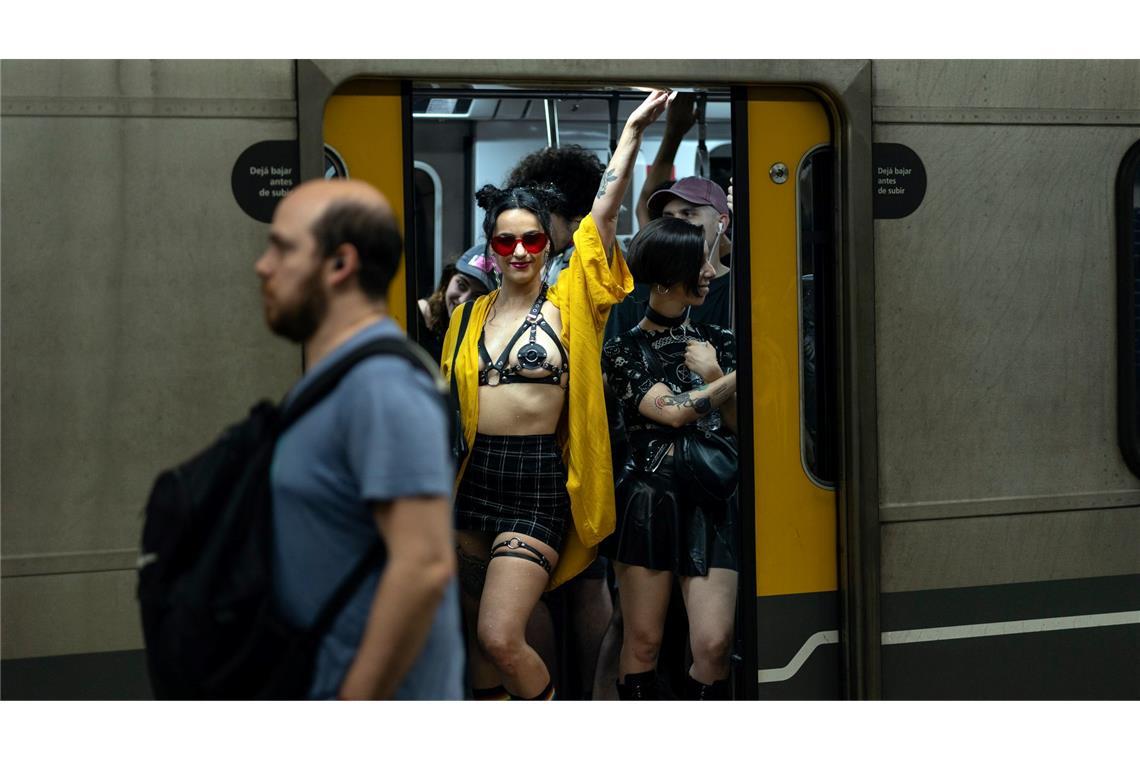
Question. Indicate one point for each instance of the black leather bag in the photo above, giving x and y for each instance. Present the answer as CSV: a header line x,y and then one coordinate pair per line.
x,y
458,439
707,463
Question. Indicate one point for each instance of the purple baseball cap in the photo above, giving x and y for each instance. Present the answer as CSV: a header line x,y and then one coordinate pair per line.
x,y
695,190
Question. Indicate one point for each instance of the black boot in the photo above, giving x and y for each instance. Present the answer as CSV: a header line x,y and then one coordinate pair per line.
x,y
639,686
546,695
717,690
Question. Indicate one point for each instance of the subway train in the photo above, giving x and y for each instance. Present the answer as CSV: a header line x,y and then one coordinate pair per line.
x,y
936,302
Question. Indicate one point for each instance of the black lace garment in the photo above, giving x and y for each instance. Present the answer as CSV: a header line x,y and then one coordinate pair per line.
x,y
630,379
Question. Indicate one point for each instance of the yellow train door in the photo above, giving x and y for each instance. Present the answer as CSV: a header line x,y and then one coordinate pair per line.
x,y
783,166
366,126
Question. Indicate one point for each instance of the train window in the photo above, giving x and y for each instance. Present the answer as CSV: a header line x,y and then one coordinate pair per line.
x,y
1128,300
441,107
720,164
817,256
429,217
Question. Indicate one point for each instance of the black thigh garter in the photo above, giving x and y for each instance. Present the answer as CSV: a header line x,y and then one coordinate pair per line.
x,y
512,544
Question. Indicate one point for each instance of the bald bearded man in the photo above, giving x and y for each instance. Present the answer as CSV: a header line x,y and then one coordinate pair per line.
x,y
368,465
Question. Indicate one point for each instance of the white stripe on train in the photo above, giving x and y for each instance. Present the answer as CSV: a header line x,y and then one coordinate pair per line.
x,y
920,635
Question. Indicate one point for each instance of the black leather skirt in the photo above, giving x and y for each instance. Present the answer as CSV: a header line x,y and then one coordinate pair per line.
x,y
659,530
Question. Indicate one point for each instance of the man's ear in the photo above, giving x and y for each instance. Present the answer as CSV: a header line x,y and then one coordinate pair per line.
x,y
344,263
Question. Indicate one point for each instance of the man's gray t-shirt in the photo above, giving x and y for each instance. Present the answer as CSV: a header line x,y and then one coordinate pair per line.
x,y
381,434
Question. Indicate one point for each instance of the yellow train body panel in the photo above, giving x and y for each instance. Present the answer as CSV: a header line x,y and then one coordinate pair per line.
x,y
796,540
364,124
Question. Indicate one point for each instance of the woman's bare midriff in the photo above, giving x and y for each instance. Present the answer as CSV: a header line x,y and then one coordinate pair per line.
x,y
520,409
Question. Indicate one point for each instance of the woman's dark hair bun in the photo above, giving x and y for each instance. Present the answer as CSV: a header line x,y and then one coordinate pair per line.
x,y
487,196
533,199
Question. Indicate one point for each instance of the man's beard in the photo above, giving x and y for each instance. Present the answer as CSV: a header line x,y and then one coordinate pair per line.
x,y
299,323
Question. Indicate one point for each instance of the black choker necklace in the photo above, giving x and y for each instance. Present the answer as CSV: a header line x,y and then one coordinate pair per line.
x,y
656,317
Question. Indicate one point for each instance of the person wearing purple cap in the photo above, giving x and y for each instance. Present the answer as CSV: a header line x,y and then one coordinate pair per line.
x,y
698,201
693,199
701,202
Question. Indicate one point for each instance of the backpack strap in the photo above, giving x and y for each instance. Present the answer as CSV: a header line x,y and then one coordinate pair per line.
x,y
335,603
328,379
464,318
455,413
307,399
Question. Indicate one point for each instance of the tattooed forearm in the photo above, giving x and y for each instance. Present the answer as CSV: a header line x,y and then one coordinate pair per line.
x,y
702,400
720,394
609,176
701,406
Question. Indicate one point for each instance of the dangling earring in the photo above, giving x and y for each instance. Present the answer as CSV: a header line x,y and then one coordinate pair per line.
x,y
546,266
661,290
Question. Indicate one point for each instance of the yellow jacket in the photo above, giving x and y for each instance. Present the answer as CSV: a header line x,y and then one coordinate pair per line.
x,y
584,293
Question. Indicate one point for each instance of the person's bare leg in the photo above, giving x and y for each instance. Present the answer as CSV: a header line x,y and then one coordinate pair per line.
x,y
590,611
644,600
540,633
711,604
512,589
473,548
606,673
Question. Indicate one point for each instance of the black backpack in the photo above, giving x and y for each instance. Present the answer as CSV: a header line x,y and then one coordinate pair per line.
x,y
205,584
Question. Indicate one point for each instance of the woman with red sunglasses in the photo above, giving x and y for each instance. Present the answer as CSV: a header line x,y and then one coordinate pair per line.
x,y
535,494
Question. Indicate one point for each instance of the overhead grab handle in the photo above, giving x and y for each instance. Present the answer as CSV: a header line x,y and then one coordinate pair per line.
x,y
702,133
551,107
615,101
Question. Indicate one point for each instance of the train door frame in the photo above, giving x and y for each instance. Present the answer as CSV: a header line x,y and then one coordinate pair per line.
x,y
845,87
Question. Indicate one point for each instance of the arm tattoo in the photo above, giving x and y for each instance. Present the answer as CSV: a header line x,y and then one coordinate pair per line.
x,y
607,178
701,406
721,394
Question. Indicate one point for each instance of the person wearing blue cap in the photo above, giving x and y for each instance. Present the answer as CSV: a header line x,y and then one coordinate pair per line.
x,y
461,281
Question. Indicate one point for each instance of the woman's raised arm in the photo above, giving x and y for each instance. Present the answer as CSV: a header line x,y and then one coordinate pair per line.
x,y
615,179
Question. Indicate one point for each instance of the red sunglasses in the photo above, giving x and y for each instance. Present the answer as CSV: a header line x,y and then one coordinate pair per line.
x,y
504,245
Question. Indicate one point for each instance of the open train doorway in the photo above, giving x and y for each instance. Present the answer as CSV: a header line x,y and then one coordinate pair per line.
x,y
431,145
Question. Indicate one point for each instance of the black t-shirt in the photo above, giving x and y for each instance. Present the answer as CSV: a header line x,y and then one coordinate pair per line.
x,y
630,379
714,311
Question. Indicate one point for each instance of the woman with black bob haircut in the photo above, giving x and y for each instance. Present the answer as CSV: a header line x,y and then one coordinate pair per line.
x,y
534,494
675,382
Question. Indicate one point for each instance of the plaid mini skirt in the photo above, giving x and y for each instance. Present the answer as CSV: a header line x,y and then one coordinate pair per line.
x,y
515,483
